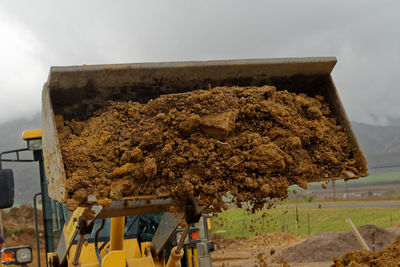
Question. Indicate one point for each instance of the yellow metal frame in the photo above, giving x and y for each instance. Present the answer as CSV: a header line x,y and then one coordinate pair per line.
x,y
117,233
120,251
192,252
32,134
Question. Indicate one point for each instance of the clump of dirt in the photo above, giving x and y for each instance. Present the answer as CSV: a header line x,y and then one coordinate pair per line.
x,y
361,258
326,246
250,141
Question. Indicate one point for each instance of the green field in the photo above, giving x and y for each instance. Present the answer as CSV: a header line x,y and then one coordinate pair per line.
x,y
237,222
376,178
387,177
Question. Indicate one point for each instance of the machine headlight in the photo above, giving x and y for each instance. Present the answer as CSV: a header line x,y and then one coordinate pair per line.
x,y
17,255
35,144
24,255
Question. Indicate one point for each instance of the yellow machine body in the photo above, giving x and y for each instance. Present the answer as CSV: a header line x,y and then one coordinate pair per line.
x,y
32,134
130,251
192,253
117,252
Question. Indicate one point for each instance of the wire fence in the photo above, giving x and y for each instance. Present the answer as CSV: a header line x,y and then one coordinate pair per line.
x,y
301,221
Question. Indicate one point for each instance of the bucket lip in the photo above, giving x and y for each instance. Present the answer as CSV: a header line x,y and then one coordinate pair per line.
x,y
206,63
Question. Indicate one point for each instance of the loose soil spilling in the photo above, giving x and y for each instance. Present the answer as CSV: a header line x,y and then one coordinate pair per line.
x,y
250,141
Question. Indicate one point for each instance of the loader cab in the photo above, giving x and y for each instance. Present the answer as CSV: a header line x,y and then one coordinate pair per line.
x,y
53,212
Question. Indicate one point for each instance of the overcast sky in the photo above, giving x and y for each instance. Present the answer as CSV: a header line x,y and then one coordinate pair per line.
x,y
363,35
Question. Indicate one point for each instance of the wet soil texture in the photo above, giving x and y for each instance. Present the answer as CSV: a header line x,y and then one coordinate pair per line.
x,y
364,258
250,141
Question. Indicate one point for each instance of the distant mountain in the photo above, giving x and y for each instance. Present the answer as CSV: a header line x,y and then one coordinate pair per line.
x,y
380,144
375,138
393,147
26,175
369,145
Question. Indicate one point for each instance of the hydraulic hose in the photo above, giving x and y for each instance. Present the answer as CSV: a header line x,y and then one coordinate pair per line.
x,y
96,239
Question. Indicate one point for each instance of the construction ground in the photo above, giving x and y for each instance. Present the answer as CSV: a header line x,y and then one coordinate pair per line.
x,y
268,246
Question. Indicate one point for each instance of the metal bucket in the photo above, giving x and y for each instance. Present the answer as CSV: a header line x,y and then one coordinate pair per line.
x,y
76,92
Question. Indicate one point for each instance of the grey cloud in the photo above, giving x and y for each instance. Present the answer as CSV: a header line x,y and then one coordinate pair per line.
x,y
364,35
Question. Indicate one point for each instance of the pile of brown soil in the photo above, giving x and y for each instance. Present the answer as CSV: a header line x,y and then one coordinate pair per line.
x,y
363,258
23,215
19,230
251,141
326,246
263,250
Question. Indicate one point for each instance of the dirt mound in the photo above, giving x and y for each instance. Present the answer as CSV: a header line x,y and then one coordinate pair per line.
x,y
261,250
261,241
22,215
19,229
362,258
251,141
326,246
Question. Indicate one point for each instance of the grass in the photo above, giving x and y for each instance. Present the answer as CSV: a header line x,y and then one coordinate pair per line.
x,y
372,179
19,229
297,202
376,178
238,222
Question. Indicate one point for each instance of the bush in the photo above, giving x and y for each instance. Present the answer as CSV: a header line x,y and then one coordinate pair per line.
x,y
309,198
19,229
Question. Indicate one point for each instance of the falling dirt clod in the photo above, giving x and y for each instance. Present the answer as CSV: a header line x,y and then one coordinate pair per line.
x,y
250,141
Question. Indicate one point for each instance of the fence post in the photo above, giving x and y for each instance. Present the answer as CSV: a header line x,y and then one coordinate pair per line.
x,y
357,235
1,226
297,222
334,190
284,227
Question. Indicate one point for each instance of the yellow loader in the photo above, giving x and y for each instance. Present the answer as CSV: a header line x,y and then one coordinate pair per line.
x,y
140,231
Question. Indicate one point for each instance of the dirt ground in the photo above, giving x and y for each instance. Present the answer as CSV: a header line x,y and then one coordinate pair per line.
x,y
264,250
272,249
283,249
326,246
19,225
256,251
363,258
19,229
250,141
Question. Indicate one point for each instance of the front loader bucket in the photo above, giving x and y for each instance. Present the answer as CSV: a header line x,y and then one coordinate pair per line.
x,y
76,92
